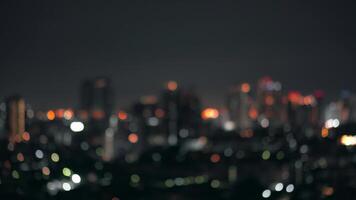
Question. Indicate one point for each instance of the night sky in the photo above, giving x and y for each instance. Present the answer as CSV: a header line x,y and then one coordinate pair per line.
x,y
48,47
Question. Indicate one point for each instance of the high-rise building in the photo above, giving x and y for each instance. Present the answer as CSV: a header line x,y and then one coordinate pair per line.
x,y
15,119
239,104
97,97
269,101
97,100
171,103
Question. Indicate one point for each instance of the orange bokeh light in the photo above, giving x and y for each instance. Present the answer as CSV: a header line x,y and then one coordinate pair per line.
x,y
253,113
269,100
98,114
133,138
159,113
26,136
122,115
324,132
294,97
245,87
172,85
83,115
59,113
51,115
68,114
210,113
308,100
248,133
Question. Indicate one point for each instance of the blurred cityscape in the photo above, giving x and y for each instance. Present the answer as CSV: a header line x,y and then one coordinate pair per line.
x,y
264,143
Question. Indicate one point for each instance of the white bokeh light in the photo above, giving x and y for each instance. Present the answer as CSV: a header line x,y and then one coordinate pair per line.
x,y
77,126
76,178
266,193
66,186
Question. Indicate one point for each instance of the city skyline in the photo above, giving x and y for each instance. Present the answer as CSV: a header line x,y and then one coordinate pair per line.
x,y
177,100
48,48
217,99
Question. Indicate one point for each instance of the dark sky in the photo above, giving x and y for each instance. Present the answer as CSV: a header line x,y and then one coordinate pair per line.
x,y
48,47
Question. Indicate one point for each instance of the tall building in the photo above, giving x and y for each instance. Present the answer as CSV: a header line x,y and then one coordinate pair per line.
x,y
239,104
15,119
97,100
269,101
97,96
303,111
171,103
182,113
189,115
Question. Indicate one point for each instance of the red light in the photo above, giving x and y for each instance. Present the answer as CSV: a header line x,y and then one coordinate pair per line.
x,y
215,158
122,115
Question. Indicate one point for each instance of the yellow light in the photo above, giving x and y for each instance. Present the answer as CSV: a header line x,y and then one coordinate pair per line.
x,y
135,178
15,174
266,155
55,157
215,183
66,171
210,113
51,115
348,140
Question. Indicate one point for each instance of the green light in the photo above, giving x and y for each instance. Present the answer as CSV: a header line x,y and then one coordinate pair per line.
x,y
135,178
266,155
15,174
280,155
66,171
199,179
169,183
99,151
55,157
215,183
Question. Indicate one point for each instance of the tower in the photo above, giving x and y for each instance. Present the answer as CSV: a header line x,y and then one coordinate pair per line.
x,y
15,120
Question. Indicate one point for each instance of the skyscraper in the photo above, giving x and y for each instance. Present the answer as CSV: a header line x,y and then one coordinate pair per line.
x,y
239,104
269,101
97,100
96,96
15,120
171,103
